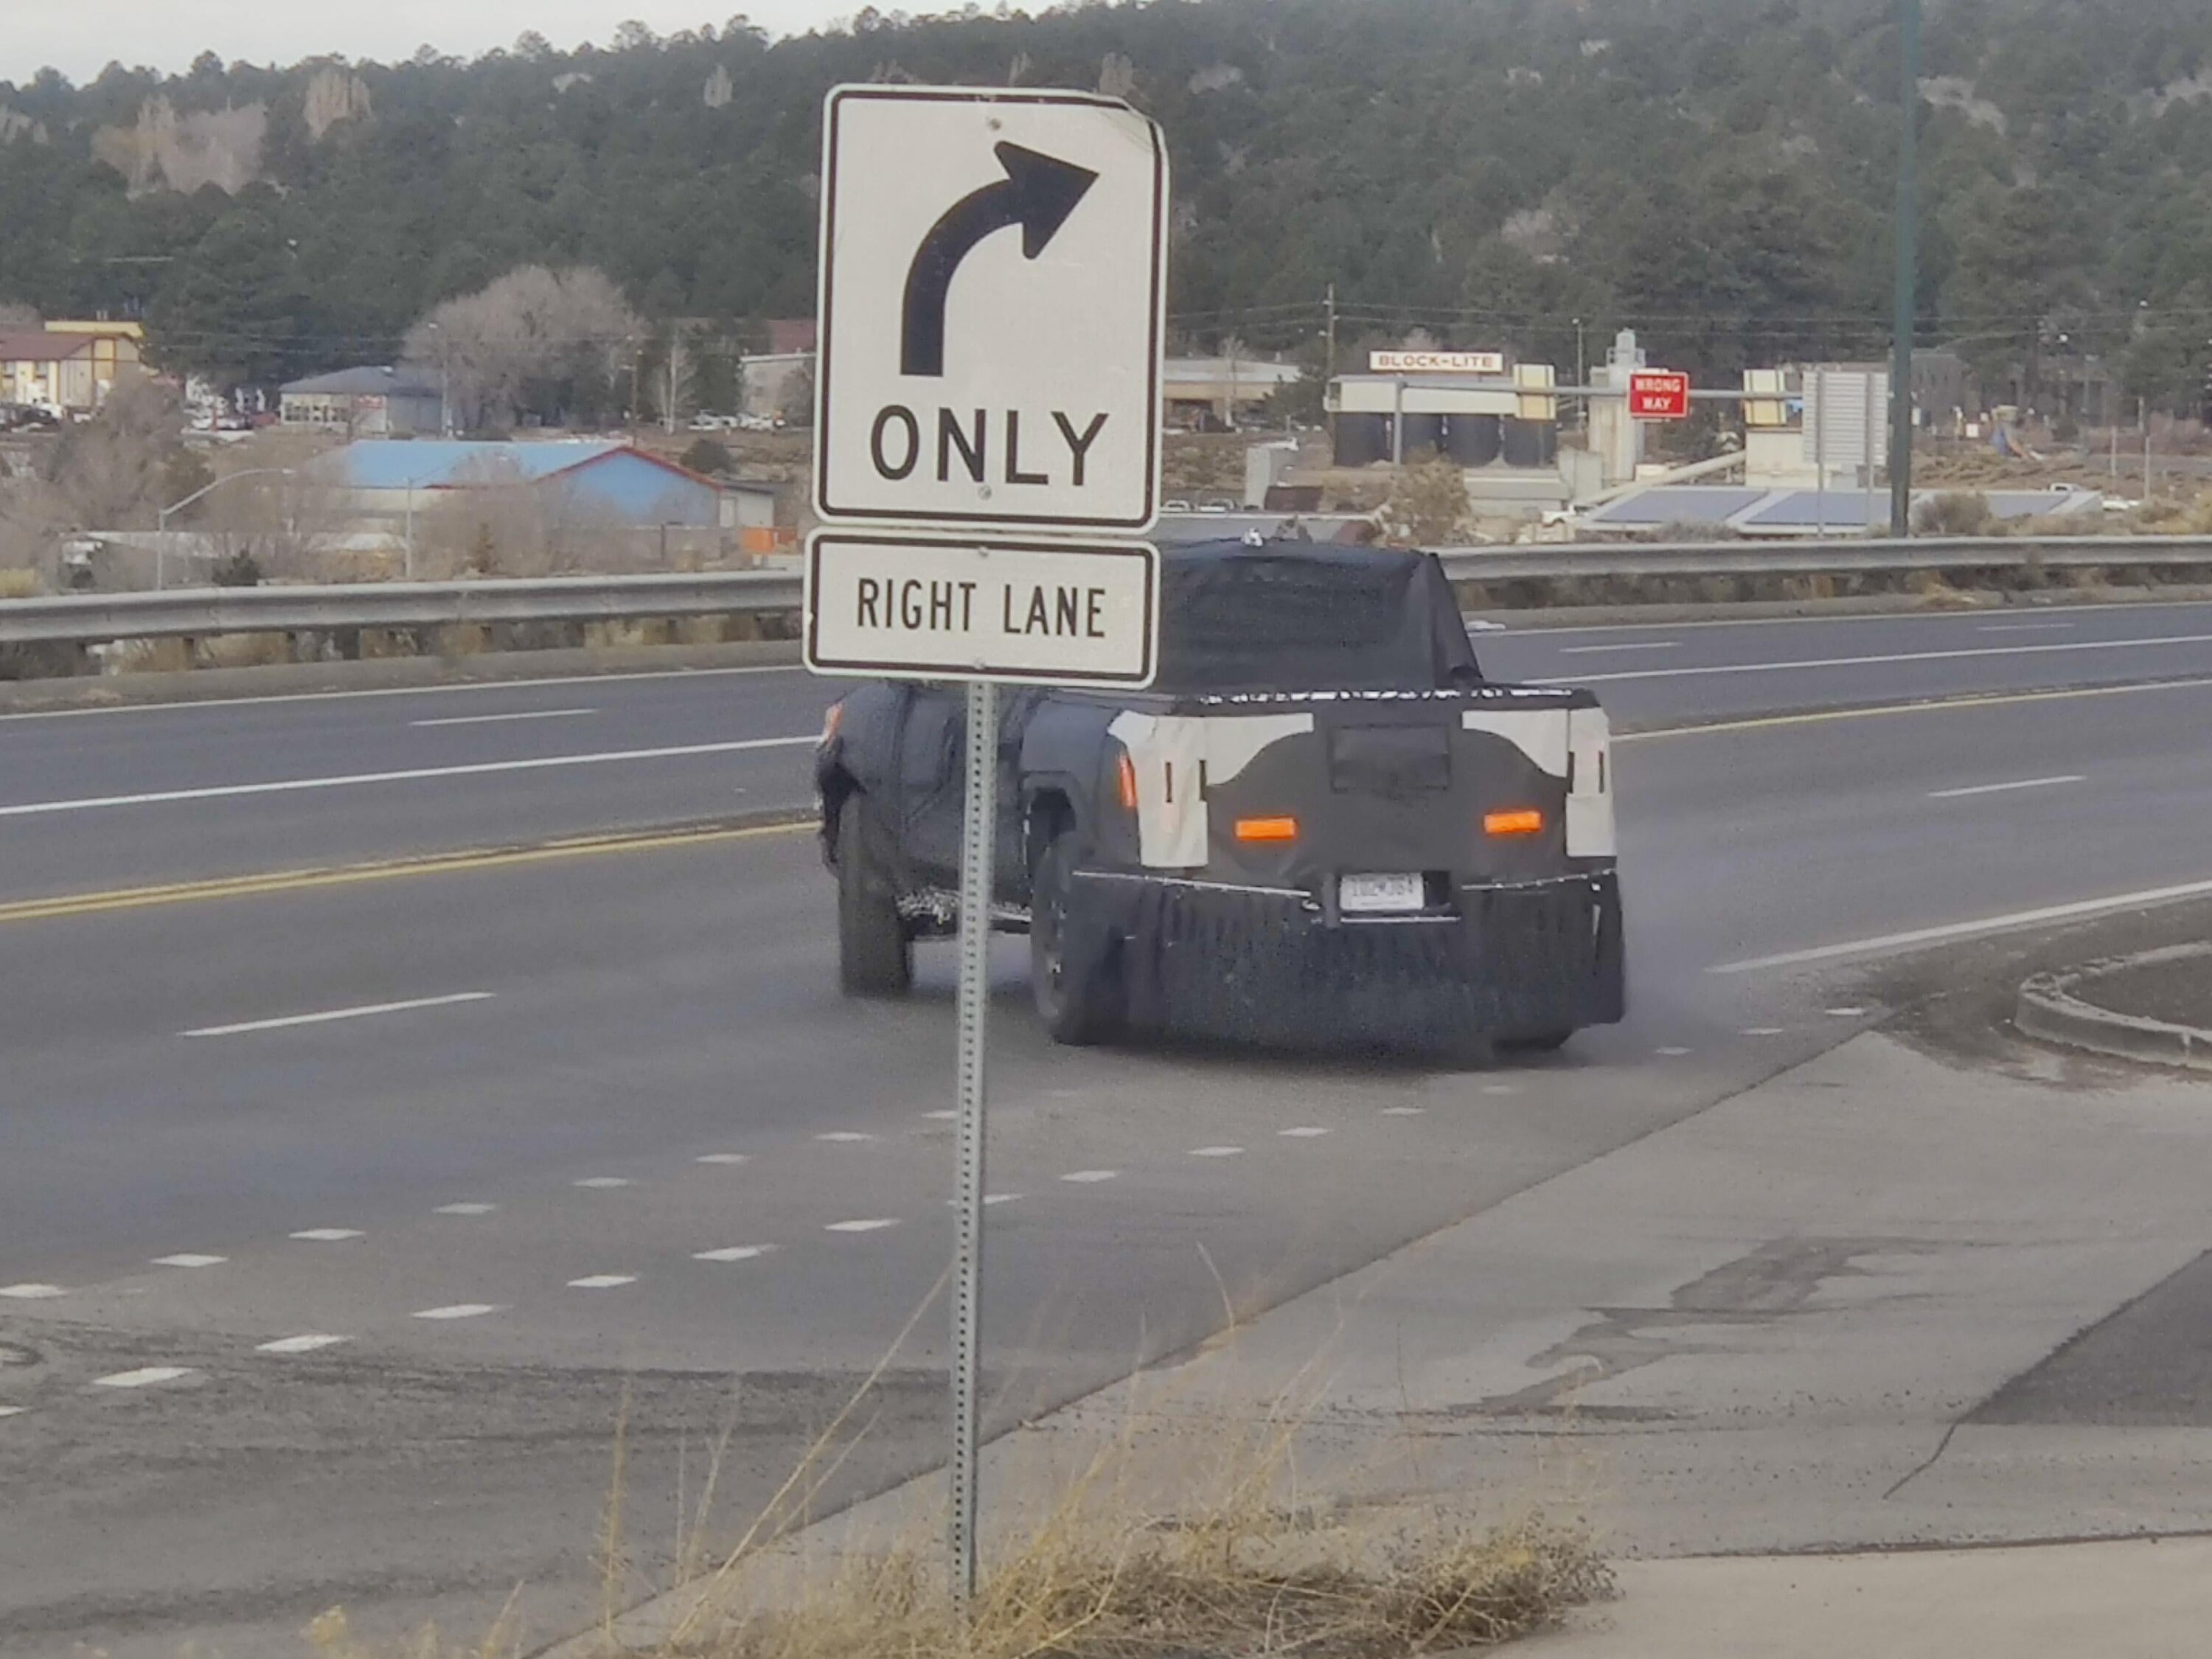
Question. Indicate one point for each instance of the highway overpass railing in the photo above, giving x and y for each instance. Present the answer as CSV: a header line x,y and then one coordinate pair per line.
x,y
193,613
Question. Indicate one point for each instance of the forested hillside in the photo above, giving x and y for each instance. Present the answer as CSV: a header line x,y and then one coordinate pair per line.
x,y
1718,172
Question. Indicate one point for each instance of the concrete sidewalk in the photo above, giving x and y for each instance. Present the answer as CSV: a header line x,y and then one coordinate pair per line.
x,y
2150,1599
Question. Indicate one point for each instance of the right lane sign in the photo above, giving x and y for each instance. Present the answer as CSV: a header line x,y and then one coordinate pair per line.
x,y
993,296
912,605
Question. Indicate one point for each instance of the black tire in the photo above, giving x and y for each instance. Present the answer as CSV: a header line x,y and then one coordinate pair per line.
x,y
1543,1043
875,957
1078,995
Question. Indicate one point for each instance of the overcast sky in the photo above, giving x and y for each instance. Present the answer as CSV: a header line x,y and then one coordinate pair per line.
x,y
80,37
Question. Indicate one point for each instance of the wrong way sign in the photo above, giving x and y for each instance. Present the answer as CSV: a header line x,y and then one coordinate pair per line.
x,y
992,298
1659,395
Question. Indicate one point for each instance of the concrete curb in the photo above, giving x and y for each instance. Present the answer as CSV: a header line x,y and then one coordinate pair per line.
x,y
2047,1007
382,674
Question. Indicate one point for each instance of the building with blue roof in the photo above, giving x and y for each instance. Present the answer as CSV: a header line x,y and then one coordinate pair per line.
x,y
583,481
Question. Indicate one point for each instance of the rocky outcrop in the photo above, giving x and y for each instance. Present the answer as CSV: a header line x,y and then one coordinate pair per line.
x,y
335,94
15,124
165,150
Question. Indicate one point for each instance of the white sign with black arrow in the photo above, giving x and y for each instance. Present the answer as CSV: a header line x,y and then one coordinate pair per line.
x,y
993,290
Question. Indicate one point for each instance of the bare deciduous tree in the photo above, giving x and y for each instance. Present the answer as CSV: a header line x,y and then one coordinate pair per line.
x,y
535,342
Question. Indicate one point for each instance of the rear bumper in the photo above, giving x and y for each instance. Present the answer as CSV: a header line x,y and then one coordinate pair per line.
x,y
1522,960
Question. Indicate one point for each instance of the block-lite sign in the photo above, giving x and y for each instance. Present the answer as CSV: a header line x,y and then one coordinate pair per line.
x,y
900,605
992,298
1658,395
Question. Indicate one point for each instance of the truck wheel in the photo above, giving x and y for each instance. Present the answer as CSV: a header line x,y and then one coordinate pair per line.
x,y
1078,997
875,958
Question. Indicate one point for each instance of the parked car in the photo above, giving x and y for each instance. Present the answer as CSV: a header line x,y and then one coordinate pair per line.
x,y
1321,821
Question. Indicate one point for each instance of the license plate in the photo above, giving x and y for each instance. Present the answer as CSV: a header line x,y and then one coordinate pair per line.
x,y
1368,894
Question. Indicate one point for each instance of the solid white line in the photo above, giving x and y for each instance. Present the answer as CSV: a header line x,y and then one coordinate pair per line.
x,y
328,1235
1640,645
735,1253
2003,789
1884,658
603,1282
459,1310
1090,1177
325,1017
500,719
142,1378
299,1344
1973,703
189,1259
411,774
1885,942
2024,627
869,1226
1862,618
31,1292
404,692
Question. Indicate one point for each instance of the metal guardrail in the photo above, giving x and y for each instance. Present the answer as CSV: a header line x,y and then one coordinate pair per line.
x,y
1856,557
85,618
204,611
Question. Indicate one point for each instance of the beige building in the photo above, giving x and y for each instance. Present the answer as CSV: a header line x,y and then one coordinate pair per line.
x,y
69,365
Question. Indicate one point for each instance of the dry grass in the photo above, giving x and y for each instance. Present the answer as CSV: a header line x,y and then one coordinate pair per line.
x,y
20,584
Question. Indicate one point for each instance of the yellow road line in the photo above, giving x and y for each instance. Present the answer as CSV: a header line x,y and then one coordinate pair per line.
x,y
1933,706
294,881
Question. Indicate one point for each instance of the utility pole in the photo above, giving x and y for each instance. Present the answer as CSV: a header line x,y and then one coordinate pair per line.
x,y
1905,308
1331,304
1328,376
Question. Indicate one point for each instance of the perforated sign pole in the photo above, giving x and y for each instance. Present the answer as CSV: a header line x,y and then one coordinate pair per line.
x,y
980,816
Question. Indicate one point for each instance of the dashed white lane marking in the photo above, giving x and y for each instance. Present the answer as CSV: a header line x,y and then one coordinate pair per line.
x,y
844,1137
145,1377
328,1235
1087,1178
2006,788
412,775
1673,1053
31,1292
875,1224
186,1258
458,1311
466,1209
299,1344
1641,645
603,1183
1501,1088
735,1253
723,1157
1878,659
1885,944
1403,1111
1761,1030
1847,1013
1216,1151
602,1281
947,1116
11,1411
1304,1131
498,719
988,1199
364,1012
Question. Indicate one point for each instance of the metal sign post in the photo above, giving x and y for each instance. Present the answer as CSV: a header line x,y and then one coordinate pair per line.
x,y
994,286
980,817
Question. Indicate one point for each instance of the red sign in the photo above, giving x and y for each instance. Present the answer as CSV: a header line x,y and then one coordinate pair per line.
x,y
1659,395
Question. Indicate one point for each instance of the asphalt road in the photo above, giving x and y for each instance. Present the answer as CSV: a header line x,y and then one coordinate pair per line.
x,y
627,1136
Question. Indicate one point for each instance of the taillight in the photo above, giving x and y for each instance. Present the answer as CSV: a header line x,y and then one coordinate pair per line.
x,y
1125,775
1266,829
1515,821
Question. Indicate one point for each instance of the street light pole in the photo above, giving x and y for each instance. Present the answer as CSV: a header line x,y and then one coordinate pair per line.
x,y
1905,300
162,518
